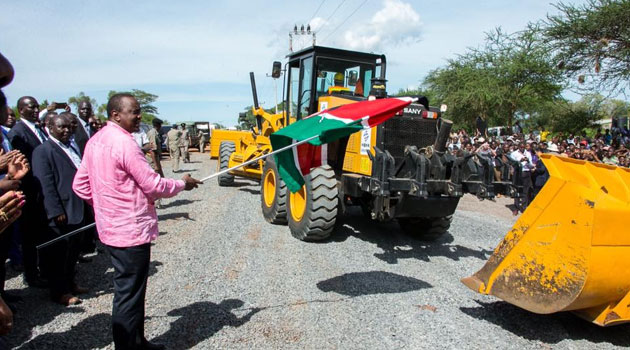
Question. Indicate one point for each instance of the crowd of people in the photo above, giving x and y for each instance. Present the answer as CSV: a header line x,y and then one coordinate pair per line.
x,y
59,173
608,146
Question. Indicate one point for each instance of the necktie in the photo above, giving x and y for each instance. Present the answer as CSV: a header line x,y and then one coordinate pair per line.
x,y
41,134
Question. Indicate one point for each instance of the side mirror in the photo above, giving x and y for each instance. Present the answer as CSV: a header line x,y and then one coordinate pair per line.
x,y
276,71
353,76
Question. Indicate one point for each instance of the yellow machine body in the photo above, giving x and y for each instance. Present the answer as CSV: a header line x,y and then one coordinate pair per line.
x,y
251,144
356,159
570,250
226,135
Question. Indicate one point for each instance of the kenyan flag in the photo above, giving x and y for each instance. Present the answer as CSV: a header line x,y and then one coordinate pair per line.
x,y
329,125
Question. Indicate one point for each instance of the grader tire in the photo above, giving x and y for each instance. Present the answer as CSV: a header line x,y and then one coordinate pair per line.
x,y
225,151
312,211
426,229
273,194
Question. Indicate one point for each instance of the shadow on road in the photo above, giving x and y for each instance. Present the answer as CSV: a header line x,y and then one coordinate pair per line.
x,y
200,320
550,329
88,334
372,282
175,216
396,244
179,202
254,191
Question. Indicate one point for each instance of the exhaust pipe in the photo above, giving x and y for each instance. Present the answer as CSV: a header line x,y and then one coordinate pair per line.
x,y
442,137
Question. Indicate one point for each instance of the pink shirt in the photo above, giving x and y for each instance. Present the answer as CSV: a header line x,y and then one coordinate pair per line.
x,y
116,179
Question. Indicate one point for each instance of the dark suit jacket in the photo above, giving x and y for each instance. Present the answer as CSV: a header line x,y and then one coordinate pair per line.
x,y
81,138
24,140
55,172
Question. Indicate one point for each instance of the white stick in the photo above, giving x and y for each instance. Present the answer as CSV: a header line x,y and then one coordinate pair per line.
x,y
66,235
202,180
259,158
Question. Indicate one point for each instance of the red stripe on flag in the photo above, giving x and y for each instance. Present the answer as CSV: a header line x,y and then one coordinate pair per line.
x,y
308,156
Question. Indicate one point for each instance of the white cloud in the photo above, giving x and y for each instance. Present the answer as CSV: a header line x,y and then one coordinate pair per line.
x,y
396,23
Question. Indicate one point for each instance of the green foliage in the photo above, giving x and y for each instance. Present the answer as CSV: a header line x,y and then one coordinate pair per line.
x,y
80,97
592,43
429,94
43,105
512,74
219,126
247,120
145,99
574,117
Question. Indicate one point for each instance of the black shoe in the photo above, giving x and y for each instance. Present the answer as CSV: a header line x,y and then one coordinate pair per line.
x,y
36,282
147,345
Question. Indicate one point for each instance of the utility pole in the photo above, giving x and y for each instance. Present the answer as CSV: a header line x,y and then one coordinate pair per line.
x,y
301,32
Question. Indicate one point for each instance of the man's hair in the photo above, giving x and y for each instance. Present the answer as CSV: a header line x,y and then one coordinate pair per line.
x,y
115,103
22,101
157,122
183,125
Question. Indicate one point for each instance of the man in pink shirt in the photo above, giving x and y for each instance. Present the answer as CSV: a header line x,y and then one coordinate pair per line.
x,y
115,178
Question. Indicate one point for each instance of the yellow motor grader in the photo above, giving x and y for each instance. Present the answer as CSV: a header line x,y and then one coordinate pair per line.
x,y
568,251
399,170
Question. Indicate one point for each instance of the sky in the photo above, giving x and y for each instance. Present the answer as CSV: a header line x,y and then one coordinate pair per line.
x,y
197,55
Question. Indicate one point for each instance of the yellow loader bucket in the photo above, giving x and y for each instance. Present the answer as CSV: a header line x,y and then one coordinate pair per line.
x,y
570,250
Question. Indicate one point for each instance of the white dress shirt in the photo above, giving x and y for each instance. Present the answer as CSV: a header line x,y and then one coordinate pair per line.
x,y
38,132
70,151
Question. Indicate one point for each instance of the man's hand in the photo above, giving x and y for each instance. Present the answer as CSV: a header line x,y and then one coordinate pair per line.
x,y
61,220
11,204
190,182
6,158
6,318
9,185
18,167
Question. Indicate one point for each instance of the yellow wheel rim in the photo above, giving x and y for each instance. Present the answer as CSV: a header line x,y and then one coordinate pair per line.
x,y
297,202
269,188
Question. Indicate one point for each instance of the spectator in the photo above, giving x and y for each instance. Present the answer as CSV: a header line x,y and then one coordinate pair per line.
x,y
55,162
83,132
25,136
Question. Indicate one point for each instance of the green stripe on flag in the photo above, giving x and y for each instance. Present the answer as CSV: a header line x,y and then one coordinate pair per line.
x,y
328,130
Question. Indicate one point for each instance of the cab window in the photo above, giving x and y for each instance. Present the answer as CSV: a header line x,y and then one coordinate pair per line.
x,y
343,76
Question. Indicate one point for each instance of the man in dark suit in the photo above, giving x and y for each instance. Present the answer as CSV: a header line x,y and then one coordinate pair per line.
x,y
83,131
55,163
25,136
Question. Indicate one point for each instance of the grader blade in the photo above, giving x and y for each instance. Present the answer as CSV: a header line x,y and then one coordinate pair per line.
x,y
570,250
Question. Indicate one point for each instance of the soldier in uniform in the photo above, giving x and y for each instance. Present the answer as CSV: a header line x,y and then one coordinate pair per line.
x,y
202,141
174,137
185,143
155,150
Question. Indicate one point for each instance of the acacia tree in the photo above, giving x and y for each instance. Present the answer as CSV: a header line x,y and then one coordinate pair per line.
x,y
80,97
511,74
145,99
591,43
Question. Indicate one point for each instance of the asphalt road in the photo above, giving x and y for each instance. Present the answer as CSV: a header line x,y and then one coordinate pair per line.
x,y
223,278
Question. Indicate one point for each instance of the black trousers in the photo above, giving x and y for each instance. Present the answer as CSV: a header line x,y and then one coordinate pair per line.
x,y
522,202
59,260
131,270
33,229
5,243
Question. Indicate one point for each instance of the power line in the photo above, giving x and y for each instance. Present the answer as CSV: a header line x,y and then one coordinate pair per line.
x,y
333,13
316,11
345,20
